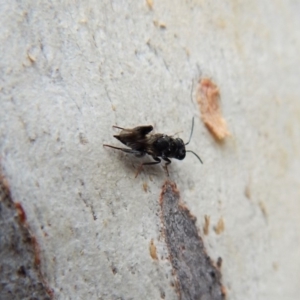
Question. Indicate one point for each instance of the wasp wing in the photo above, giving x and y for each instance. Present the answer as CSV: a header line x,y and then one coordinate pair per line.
x,y
143,130
135,138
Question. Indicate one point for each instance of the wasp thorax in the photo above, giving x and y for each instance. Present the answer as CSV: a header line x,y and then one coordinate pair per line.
x,y
162,144
169,147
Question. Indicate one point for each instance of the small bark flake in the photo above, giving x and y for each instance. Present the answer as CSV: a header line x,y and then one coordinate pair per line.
x,y
206,225
220,226
152,249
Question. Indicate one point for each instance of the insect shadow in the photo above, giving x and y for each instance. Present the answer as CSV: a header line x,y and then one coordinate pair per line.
x,y
158,145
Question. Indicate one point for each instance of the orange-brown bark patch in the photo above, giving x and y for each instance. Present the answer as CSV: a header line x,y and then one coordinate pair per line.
x,y
208,98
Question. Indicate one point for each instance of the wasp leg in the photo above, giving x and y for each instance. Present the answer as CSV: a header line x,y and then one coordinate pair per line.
x,y
166,164
140,154
135,152
157,161
114,126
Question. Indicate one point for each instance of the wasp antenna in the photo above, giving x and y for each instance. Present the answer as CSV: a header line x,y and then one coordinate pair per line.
x,y
195,155
191,132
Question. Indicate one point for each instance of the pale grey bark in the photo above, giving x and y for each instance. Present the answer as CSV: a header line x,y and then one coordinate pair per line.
x,y
70,70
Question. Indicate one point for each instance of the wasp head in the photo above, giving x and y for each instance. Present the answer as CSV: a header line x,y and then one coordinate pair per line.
x,y
180,149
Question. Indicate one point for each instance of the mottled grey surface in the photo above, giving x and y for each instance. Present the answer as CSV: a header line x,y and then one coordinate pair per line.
x,y
197,277
69,70
19,274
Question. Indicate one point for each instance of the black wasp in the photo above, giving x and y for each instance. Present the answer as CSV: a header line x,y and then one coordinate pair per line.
x,y
141,142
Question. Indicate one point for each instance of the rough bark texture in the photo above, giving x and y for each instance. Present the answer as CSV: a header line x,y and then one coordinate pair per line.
x,y
69,70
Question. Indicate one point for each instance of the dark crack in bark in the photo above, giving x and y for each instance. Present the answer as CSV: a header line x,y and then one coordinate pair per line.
x,y
20,275
197,276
